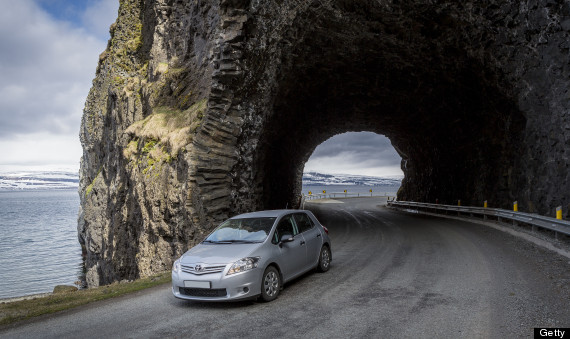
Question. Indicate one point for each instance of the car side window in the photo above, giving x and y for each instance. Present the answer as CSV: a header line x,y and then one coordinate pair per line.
x,y
285,226
304,223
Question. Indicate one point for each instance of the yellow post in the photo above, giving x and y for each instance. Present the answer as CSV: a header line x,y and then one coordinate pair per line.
x,y
516,206
458,202
485,204
559,212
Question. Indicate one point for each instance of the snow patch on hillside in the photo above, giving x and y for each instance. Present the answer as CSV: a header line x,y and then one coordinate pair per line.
x,y
320,179
38,180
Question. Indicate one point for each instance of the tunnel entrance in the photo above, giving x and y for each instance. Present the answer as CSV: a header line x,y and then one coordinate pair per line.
x,y
353,163
410,76
362,154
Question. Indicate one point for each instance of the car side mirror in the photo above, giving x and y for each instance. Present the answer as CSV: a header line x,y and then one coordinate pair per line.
x,y
287,237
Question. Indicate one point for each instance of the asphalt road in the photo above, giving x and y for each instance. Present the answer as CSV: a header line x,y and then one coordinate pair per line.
x,y
393,275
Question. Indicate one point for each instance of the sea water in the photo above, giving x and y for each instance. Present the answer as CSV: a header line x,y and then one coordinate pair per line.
x,y
38,241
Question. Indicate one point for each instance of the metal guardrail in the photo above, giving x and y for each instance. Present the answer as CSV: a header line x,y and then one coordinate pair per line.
x,y
535,220
333,195
308,197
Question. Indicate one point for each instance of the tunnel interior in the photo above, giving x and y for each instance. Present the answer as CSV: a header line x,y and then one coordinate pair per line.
x,y
410,76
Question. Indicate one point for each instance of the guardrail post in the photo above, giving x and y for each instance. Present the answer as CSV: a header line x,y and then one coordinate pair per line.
x,y
559,212
515,209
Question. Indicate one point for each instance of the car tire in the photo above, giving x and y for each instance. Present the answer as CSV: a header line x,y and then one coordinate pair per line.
x,y
270,284
324,259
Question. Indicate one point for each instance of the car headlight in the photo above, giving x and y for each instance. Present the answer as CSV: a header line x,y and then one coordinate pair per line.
x,y
243,265
176,266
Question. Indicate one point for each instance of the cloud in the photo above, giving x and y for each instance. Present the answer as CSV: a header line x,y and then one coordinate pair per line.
x,y
47,67
362,153
41,149
96,16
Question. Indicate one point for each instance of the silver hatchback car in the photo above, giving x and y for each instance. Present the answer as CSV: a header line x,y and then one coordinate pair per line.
x,y
252,255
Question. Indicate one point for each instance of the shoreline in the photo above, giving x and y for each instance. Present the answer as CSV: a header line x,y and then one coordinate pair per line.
x,y
25,297
17,309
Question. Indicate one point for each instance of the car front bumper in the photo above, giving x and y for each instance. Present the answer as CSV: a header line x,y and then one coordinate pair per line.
x,y
223,287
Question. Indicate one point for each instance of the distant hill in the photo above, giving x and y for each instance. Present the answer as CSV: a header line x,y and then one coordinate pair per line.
x,y
38,180
45,180
320,179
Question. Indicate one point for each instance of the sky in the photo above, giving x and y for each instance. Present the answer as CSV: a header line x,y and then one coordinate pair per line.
x,y
48,58
362,153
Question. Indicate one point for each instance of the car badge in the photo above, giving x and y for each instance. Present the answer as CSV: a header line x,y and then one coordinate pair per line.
x,y
198,268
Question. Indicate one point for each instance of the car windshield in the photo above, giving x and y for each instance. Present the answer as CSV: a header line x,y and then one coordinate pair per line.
x,y
241,231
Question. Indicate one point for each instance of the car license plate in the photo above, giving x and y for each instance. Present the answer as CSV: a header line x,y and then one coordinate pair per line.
x,y
196,284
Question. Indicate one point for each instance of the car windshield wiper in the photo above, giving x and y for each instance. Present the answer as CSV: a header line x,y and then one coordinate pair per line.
x,y
232,241
216,242
239,241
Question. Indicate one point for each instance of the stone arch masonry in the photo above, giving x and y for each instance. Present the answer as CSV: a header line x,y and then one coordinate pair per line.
x,y
201,110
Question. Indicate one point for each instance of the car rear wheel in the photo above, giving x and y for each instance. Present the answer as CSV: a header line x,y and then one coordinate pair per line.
x,y
324,259
270,284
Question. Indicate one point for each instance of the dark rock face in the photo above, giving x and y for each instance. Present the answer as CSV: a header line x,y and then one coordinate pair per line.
x,y
205,109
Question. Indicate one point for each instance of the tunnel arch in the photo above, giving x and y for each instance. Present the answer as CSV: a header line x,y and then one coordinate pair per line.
x,y
450,114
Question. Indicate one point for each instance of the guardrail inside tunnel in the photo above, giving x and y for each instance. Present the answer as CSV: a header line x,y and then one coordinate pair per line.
x,y
535,220
338,195
333,195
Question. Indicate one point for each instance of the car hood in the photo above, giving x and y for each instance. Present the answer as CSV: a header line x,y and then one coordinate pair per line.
x,y
218,253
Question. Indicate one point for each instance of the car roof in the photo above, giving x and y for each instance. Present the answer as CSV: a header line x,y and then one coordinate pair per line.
x,y
267,214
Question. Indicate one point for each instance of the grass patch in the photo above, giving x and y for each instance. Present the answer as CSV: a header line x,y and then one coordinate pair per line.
x,y
171,127
149,146
20,310
89,189
131,150
90,186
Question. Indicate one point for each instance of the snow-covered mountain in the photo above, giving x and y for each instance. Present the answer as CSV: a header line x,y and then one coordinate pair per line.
x,y
320,179
38,180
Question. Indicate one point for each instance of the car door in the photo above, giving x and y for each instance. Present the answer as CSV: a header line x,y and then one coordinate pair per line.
x,y
293,255
313,238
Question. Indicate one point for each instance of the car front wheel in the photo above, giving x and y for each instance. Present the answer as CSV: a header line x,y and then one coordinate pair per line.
x,y
324,259
270,284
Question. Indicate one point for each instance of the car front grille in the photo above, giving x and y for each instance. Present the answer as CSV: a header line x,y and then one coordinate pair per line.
x,y
203,292
203,269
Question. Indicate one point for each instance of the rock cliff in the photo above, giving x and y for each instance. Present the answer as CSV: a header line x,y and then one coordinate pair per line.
x,y
204,109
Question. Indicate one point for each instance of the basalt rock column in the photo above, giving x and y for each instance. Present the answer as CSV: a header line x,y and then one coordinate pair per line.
x,y
201,110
